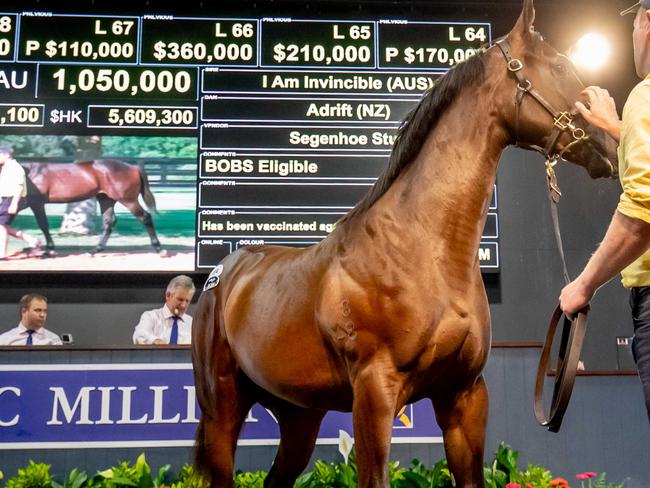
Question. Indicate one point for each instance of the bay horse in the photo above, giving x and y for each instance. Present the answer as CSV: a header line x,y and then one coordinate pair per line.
x,y
390,308
108,180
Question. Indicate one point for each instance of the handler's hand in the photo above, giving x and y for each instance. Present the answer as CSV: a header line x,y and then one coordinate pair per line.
x,y
574,296
602,110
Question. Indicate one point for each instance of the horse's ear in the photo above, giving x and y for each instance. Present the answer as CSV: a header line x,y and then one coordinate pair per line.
x,y
524,25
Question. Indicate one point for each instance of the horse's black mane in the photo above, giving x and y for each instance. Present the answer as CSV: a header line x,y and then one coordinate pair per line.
x,y
419,122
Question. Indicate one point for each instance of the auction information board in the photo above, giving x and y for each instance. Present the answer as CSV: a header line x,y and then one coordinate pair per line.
x,y
294,118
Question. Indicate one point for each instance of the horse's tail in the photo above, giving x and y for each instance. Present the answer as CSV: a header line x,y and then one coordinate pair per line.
x,y
145,191
205,334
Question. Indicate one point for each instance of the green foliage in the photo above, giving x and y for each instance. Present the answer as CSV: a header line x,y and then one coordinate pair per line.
x,y
503,469
498,473
494,477
250,480
75,479
419,476
506,459
35,475
341,475
188,477
329,475
27,147
536,476
149,147
123,475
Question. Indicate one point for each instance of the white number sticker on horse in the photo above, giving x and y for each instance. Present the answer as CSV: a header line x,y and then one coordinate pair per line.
x,y
213,279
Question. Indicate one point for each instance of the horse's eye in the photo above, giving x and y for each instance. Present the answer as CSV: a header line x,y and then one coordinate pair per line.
x,y
560,70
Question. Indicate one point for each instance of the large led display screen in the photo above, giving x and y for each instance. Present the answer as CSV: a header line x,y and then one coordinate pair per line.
x,y
185,138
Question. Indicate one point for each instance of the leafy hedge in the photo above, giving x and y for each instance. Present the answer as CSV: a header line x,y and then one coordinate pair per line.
x,y
502,472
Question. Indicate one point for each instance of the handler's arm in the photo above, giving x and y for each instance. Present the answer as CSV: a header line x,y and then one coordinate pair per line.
x,y
626,239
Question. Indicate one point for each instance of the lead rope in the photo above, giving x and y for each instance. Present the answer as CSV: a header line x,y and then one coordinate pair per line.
x,y
554,195
573,332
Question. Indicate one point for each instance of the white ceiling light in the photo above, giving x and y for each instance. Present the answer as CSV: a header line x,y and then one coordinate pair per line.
x,y
591,51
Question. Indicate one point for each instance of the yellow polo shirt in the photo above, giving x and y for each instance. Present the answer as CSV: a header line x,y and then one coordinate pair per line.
x,y
634,173
12,175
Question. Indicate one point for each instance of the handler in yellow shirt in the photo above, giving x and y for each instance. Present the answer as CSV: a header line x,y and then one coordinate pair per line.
x,y
625,247
12,188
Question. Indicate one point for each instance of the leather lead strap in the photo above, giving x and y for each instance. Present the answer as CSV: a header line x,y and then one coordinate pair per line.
x,y
573,333
554,197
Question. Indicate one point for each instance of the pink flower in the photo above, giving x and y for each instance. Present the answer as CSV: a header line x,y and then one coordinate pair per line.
x,y
582,476
591,474
513,485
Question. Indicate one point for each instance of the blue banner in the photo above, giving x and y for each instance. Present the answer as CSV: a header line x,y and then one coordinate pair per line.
x,y
133,405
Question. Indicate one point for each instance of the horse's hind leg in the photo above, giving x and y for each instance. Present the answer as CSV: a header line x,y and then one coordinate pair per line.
x,y
107,209
298,432
38,208
463,419
145,219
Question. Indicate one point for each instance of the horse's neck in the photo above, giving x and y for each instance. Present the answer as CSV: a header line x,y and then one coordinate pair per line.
x,y
435,211
454,174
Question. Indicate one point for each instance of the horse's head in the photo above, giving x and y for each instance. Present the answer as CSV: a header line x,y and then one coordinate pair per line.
x,y
545,88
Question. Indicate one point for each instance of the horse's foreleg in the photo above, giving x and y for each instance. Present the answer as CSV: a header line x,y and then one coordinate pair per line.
x,y
298,432
463,420
373,411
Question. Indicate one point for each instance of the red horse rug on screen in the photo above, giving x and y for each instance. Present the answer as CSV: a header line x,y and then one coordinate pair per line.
x,y
390,308
109,180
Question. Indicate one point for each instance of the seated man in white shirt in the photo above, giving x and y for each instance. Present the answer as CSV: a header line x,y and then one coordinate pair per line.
x,y
31,330
169,324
